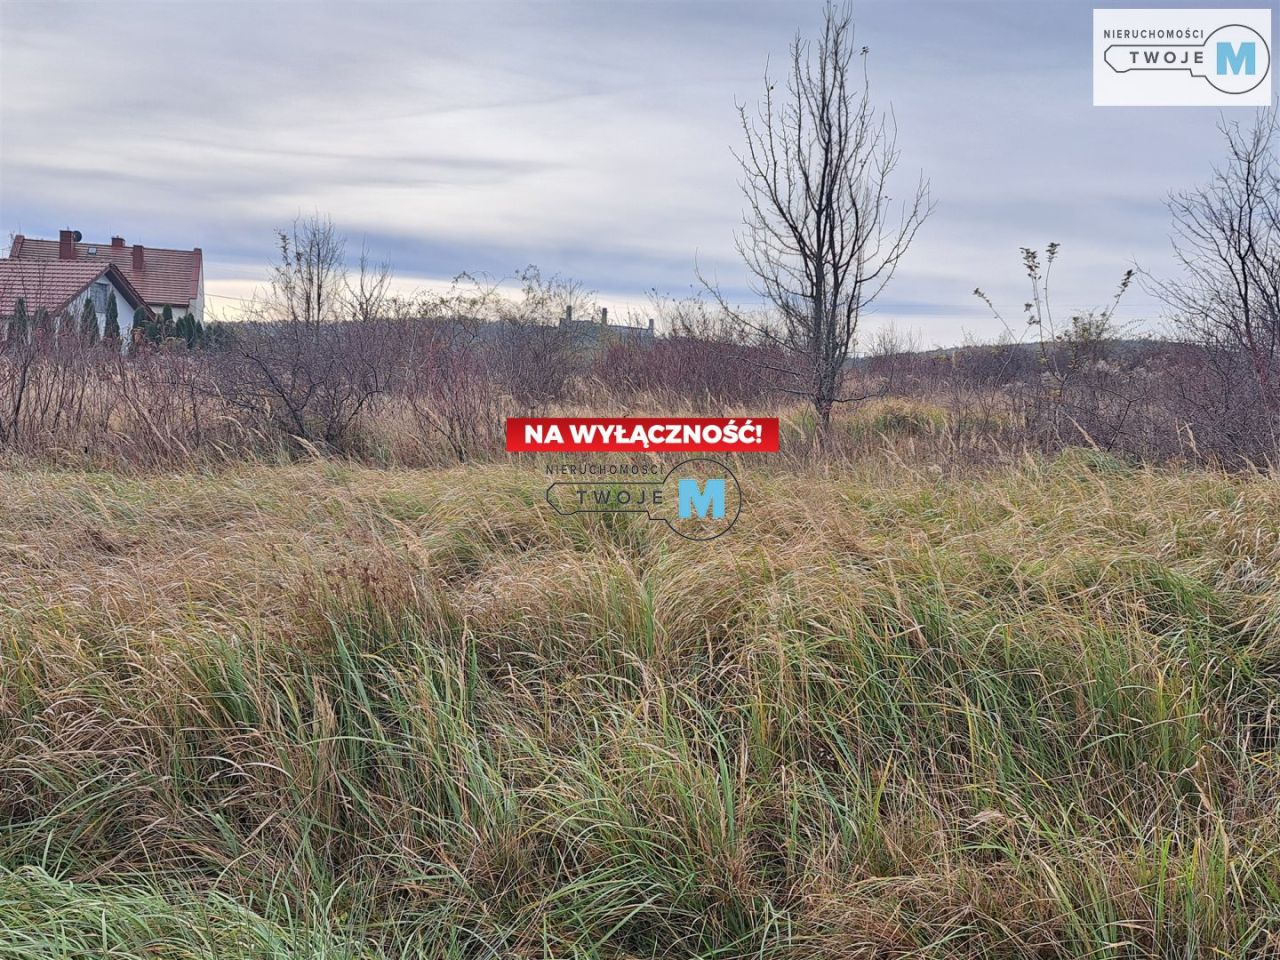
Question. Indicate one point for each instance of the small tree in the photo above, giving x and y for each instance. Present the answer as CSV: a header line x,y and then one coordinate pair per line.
x,y
111,330
89,321
319,351
1226,237
822,238
157,329
166,327
18,326
189,329
309,283
216,335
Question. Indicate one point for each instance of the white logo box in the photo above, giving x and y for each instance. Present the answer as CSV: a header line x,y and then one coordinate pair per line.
x,y
1182,58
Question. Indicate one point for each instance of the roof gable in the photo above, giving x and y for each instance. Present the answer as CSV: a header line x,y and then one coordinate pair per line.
x,y
52,284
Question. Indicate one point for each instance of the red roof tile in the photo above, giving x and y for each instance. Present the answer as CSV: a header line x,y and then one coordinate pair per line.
x,y
52,284
167,276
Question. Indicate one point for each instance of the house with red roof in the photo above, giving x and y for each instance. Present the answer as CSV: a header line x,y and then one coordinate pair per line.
x,y
164,277
59,289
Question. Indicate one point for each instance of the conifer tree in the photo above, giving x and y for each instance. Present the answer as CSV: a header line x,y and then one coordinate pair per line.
x,y
189,329
89,321
142,330
112,330
18,326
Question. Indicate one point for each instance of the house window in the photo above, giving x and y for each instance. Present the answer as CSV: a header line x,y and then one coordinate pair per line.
x,y
99,293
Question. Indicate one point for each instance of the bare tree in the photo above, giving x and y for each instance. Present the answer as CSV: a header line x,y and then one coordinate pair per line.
x,y
545,299
317,351
1227,239
309,282
368,296
526,350
822,236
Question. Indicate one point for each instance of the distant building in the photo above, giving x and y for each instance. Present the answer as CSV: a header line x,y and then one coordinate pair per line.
x,y
173,278
59,289
598,334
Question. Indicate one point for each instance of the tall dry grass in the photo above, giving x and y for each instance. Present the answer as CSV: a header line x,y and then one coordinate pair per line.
x,y
331,711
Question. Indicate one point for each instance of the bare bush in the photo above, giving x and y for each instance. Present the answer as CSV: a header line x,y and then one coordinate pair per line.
x,y
707,373
1226,238
318,350
449,387
1077,393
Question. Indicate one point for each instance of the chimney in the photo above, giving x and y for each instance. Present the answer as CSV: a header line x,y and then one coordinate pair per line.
x,y
66,245
568,315
117,242
137,258
604,316
651,326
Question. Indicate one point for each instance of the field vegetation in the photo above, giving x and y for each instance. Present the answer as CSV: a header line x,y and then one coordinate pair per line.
x,y
322,710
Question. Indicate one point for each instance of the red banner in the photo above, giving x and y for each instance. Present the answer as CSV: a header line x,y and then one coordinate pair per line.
x,y
642,434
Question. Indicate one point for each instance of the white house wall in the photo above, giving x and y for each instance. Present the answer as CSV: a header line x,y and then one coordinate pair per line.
x,y
124,312
197,305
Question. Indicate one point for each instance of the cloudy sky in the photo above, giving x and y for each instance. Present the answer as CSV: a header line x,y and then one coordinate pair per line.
x,y
592,139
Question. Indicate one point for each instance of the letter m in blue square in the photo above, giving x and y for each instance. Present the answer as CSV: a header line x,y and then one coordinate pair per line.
x,y
692,499
1234,59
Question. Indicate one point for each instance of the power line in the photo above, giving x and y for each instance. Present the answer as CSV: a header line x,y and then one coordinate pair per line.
x,y
224,296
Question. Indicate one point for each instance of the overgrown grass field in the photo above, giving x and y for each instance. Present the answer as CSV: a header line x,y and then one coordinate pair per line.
x,y
322,711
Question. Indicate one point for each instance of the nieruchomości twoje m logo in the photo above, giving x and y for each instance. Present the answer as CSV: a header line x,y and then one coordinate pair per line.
x,y
699,498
